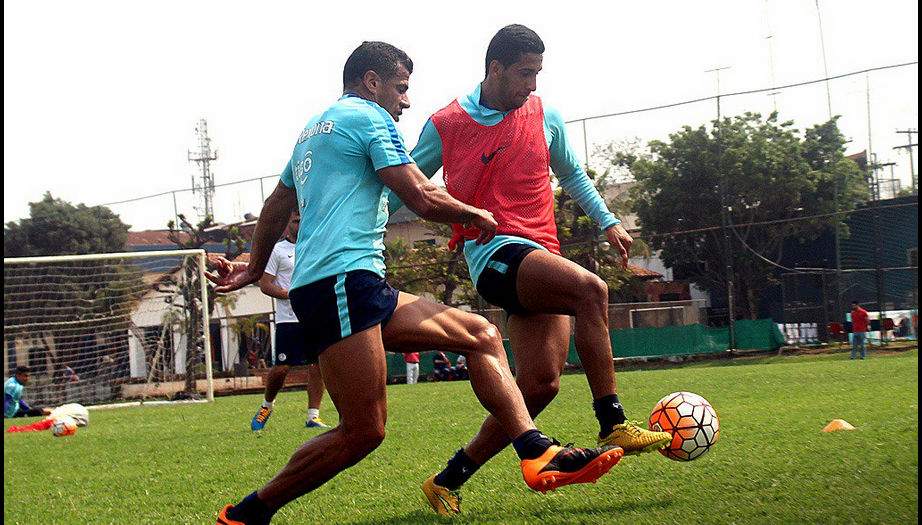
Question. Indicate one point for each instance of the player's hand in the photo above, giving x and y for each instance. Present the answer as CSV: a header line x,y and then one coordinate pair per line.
x,y
621,240
231,275
486,224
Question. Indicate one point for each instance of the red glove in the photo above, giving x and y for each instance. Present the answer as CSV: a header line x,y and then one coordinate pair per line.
x,y
44,424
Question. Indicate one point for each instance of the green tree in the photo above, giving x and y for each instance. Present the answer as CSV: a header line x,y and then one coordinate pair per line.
x,y
582,242
772,174
69,305
183,287
57,227
430,269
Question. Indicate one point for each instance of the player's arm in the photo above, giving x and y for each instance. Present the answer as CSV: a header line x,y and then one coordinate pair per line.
x,y
433,203
401,174
428,157
272,222
268,287
576,182
7,402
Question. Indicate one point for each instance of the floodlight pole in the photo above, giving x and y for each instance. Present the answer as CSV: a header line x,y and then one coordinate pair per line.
x,y
725,218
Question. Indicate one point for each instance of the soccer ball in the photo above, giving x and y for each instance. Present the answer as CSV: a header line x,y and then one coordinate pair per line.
x,y
63,426
692,422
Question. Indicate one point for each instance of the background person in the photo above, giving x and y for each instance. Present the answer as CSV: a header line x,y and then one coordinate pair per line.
x,y
459,371
859,330
441,367
290,343
412,359
75,410
13,404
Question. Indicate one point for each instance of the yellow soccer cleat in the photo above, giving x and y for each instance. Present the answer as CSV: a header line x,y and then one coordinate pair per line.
x,y
635,439
445,502
316,423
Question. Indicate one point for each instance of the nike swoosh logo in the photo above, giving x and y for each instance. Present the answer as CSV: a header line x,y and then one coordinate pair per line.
x,y
486,160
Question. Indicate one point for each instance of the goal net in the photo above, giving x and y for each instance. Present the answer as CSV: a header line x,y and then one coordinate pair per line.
x,y
105,327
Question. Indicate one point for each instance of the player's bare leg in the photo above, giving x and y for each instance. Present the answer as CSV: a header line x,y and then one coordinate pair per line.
x,y
355,371
419,325
552,284
540,343
315,390
275,380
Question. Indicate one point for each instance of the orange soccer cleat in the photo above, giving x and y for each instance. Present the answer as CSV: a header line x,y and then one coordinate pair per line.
x,y
224,520
560,466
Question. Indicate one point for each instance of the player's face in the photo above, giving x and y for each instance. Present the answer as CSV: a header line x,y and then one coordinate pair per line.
x,y
23,378
293,226
392,94
519,80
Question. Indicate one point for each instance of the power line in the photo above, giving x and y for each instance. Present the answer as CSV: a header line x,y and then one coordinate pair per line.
x,y
762,90
653,108
188,189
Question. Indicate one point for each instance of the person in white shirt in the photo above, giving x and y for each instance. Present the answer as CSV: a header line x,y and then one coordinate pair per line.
x,y
289,339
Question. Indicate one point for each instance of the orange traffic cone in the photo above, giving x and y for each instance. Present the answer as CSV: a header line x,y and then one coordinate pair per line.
x,y
838,424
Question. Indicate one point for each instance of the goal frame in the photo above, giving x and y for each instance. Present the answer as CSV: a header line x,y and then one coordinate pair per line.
x,y
202,257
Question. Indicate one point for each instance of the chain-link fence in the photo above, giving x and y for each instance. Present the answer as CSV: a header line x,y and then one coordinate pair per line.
x,y
877,254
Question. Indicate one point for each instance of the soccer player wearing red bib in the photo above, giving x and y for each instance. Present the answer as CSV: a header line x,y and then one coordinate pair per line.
x,y
345,164
497,146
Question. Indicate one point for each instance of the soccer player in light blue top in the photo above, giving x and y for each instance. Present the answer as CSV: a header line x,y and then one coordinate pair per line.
x,y
343,166
13,405
498,145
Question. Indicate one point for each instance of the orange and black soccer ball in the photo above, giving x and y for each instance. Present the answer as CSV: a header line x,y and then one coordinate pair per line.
x,y
692,422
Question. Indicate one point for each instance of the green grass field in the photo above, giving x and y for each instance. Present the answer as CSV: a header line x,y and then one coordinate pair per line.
x,y
772,464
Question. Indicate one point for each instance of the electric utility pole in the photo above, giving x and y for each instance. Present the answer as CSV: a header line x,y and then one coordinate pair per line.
x,y
908,147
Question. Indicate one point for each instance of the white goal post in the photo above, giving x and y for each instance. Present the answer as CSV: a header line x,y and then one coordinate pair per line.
x,y
100,328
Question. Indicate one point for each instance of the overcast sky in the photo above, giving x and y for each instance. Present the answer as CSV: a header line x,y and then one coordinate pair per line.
x,y
101,99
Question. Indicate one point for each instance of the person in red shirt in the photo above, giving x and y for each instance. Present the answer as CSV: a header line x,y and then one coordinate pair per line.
x,y
412,360
859,330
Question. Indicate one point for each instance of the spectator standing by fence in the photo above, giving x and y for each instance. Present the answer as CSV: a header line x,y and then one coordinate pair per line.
x,y
412,360
859,330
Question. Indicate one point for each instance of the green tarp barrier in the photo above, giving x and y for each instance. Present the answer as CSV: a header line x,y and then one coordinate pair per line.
x,y
762,334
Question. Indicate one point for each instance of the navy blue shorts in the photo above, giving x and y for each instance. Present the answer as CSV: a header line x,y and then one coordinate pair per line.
x,y
334,308
497,282
290,344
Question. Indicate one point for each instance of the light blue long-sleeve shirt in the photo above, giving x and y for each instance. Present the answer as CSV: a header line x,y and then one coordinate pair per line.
x,y
563,161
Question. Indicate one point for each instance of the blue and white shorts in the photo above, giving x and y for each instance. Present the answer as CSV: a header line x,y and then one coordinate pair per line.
x,y
332,309
290,345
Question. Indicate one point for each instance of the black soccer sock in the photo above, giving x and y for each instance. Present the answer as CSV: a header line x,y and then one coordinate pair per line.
x,y
251,511
531,444
609,413
459,469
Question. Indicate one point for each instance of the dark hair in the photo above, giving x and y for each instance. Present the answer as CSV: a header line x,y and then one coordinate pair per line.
x,y
510,43
855,303
380,57
22,370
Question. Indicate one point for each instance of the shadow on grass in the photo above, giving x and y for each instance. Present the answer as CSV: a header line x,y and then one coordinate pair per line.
x,y
603,507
